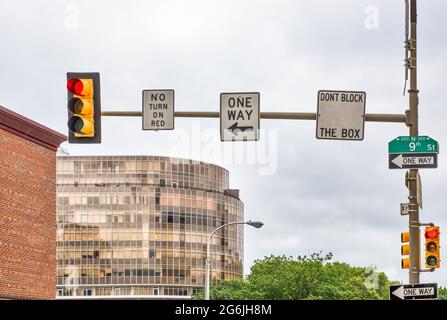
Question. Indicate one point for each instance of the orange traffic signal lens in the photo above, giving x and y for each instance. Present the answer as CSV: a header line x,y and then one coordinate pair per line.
x,y
431,233
405,250
80,106
75,86
405,264
405,237
431,247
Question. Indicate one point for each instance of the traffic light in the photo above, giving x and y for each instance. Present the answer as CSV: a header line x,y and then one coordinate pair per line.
x,y
405,249
432,248
84,108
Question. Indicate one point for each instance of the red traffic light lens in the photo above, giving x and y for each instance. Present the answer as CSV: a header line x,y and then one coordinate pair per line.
x,y
75,86
431,234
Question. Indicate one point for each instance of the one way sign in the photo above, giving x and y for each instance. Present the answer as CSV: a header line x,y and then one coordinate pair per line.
x,y
239,116
413,160
425,291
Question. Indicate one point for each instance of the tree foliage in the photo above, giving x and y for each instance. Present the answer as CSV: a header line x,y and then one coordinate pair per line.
x,y
442,293
305,277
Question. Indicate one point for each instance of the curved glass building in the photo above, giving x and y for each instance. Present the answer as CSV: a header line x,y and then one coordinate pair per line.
x,y
136,226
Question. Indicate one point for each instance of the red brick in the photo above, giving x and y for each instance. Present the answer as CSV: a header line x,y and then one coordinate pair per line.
x,y
27,219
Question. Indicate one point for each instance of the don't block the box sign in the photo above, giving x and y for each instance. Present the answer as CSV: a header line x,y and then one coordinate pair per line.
x,y
341,115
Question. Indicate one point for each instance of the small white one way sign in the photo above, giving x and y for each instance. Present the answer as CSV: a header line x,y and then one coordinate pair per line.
x,y
426,291
239,116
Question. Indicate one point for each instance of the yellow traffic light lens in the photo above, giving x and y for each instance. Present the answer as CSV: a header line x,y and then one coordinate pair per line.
x,y
431,247
80,106
405,250
405,237
432,261
405,263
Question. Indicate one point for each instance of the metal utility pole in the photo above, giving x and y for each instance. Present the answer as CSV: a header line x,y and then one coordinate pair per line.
x,y
412,122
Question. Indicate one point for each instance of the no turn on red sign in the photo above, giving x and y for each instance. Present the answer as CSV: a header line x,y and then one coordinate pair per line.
x,y
158,109
341,115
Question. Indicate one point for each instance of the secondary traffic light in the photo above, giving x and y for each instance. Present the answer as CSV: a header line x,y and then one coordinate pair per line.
x,y
84,108
432,248
405,249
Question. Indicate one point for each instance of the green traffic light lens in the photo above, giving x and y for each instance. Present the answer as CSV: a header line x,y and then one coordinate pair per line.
x,y
76,124
79,125
432,261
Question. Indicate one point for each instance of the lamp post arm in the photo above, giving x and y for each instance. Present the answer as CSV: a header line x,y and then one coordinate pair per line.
x,y
208,256
223,226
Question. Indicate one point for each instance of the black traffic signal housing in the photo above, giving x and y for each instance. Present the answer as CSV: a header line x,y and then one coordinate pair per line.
x,y
432,248
84,107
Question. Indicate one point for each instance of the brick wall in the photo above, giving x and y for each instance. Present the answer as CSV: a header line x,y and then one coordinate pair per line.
x,y
27,218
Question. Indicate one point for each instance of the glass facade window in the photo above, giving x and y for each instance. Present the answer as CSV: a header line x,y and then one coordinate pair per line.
x,y
137,226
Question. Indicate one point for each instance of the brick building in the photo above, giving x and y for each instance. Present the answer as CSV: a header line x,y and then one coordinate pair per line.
x,y
27,207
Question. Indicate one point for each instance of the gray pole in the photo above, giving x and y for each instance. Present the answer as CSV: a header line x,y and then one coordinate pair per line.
x,y
414,224
207,271
371,117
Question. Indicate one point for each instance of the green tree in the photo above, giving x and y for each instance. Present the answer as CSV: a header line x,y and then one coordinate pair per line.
x,y
313,277
442,293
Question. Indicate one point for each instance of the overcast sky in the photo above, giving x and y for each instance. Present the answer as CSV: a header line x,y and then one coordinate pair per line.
x,y
313,195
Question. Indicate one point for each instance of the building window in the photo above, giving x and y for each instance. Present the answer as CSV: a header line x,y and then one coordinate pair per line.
x,y
92,200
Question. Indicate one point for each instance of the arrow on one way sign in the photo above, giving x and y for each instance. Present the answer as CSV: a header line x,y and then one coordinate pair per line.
x,y
235,128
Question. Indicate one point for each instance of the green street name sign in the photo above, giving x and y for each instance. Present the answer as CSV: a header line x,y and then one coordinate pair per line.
x,y
413,144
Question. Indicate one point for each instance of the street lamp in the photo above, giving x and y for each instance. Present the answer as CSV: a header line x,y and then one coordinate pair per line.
x,y
255,224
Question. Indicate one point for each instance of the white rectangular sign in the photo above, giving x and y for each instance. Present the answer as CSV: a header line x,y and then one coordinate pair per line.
x,y
423,291
158,109
341,115
239,116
